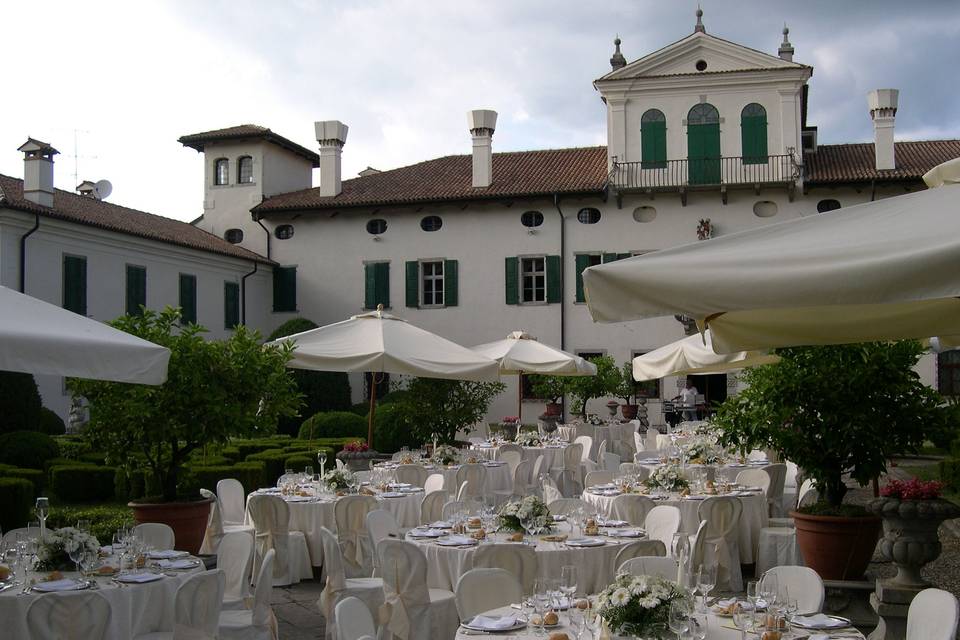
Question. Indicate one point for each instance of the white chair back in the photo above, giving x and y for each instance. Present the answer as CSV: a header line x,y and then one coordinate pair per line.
x,y
880,631
413,474
333,567
232,499
271,522
602,449
155,534
722,514
431,507
550,491
69,616
628,468
651,566
722,539
755,478
381,524
510,447
566,506
639,549
639,442
521,478
262,613
537,470
662,522
610,462
475,475
214,532
483,589
778,479
803,584
197,606
631,507
406,598
808,493
434,483
697,543
932,616
234,557
518,560
452,507
350,514
650,442
790,478
586,444
512,458
354,620
597,477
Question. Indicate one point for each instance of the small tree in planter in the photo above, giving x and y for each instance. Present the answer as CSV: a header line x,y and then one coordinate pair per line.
x,y
444,407
627,389
585,388
836,410
551,388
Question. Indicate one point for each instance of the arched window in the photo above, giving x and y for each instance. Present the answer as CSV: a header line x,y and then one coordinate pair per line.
x,y
753,134
703,144
376,226
827,205
233,236
653,139
431,223
531,219
245,170
221,171
588,215
283,232
703,113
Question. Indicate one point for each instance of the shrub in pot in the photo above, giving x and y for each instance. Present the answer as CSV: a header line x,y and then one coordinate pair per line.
x,y
627,389
551,388
836,410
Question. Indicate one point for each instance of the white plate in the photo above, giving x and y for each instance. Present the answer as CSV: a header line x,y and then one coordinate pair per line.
x,y
61,585
458,542
139,578
427,533
625,533
168,554
835,622
520,624
393,494
586,542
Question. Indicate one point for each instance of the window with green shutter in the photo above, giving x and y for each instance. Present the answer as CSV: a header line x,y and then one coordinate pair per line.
x,y
653,139
753,134
231,305
431,279
376,285
188,298
451,284
554,280
581,262
284,289
75,284
412,281
511,280
136,289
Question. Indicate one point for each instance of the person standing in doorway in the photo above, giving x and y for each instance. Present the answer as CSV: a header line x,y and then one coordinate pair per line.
x,y
688,399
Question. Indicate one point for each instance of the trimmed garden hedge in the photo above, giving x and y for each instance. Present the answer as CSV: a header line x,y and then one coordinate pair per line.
x,y
82,483
250,475
104,519
299,461
950,473
36,477
16,502
333,424
27,449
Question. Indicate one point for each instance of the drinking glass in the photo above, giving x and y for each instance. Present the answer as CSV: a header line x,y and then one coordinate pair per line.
x,y
308,471
706,580
541,601
83,525
769,588
743,620
75,554
322,459
568,582
679,617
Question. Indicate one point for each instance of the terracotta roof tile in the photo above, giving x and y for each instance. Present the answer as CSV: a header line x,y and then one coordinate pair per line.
x,y
105,215
247,132
515,174
833,163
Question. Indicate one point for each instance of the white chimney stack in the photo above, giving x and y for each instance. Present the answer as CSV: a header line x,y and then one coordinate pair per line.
x,y
482,122
883,111
38,171
332,135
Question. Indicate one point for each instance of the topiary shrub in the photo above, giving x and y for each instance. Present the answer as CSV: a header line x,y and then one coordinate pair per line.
x,y
72,447
232,454
104,519
19,402
16,502
50,423
27,449
299,461
82,483
130,484
61,462
334,424
36,477
250,475
93,457
391,431
273,461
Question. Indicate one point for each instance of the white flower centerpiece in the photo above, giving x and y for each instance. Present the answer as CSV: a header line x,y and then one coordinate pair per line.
x,y
705,450
445,454
528,439
638,606
338,479
529,514
668,477
54,550
595,420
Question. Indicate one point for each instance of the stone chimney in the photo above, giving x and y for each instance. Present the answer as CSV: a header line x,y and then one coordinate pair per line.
x,y
482,124
87,189
883,111
38,171
332,135
786,49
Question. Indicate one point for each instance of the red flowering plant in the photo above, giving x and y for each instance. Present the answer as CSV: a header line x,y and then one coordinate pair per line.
x,y
913,489
511,419
356,447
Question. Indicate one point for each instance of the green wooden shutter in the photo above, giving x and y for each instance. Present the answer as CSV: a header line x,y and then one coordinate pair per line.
x,y
653,145
75,284
609,257
753,137
231,305
382,284
554,279
621,256
136,289
511,280
413,283
369,287
581,262
188,299
284,289
451,283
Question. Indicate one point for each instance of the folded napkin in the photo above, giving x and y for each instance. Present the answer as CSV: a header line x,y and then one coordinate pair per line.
x,y
427,533
744,604
601,522
455,541
493,623
819,621
67,584
185,563
166,554
818,636
585,542
559,518
392,494
440,524
625,533
140,577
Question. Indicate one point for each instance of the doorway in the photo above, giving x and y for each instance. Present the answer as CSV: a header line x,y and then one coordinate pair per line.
x,y
714,389
703,144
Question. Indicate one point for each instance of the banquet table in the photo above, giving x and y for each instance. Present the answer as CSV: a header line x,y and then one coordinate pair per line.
x,y
134,608
729,470
752,519
498,476
552,455
309,513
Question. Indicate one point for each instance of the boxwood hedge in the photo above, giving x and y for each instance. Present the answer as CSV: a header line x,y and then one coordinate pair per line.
x,y
16,502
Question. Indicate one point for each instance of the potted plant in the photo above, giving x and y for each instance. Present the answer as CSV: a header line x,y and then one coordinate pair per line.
x,y
356,455
509,426
912,512
836,411
439,409
550,388
215,389
627,389
585,388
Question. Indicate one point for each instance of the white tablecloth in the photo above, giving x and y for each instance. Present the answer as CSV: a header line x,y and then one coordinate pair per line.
x,y
134,608
498,476
752,519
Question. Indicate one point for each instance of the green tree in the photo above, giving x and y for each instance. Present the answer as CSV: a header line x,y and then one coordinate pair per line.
x,y
551,388
19,402
626,387
445,407
585,388
215,389
835,410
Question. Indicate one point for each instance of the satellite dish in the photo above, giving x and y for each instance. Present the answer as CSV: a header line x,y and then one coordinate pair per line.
x,y
103,189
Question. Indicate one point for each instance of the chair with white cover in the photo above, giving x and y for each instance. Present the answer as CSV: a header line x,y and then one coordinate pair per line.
x,y
338,586
234,558
476,477
341,465
778,476
381,524
271,520
412,474
632,508
639,442
790,489
661,523
566,506
610,462
650,442
480,590
412,611
586,446
434,483
723,520
520,561
521,478
754,478
639,549
550,491
197,607
452,507
258,622
880,631
804,585
512,458
570,484
650,566
698,544
932,615
510,446
69,615
350,514
27,532
602,449
232,498
354,620
155,534
777,543
597,477
431,507
538,471
628,468
805,496
216,529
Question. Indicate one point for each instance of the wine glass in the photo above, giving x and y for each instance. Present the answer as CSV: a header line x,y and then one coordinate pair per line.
x,y
706,580
568,583
322,459
769,587
42,509
743,619
83,525
541,601
679,617
75,552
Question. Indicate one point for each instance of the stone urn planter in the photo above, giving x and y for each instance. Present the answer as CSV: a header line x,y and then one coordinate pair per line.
x,y
629,411
357,460
509,429
549,422
910,538
553,409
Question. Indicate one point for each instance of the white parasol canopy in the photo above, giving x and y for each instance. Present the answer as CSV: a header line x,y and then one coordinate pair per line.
x,y
882,270
693,355
41,338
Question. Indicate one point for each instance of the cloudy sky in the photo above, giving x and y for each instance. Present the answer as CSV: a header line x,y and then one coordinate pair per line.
x,y
117,83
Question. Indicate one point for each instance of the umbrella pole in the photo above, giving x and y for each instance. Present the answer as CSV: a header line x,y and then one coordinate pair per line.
x,y
519,400
373,408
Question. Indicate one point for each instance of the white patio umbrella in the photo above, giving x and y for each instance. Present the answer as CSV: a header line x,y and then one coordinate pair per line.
x,y
41,338
521,353
882,270
378,342
694,355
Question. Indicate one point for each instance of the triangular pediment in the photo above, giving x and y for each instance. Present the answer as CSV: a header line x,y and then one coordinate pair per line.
x,y
681,58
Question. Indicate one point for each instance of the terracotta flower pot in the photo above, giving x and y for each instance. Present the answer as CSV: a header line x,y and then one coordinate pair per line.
x,y
837,548
187,519
629,411
552,409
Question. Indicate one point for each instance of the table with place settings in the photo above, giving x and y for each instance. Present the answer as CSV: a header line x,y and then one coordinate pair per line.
x,y
498,475
552,455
